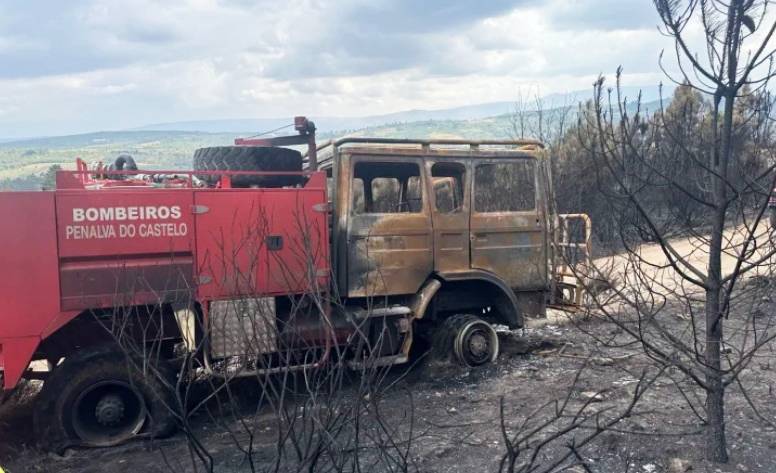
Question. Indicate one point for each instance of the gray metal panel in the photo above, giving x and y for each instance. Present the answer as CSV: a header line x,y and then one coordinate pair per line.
x,y
243,327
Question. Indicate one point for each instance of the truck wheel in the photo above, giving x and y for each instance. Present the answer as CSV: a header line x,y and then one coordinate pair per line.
x,y
249,158
94,399
470,340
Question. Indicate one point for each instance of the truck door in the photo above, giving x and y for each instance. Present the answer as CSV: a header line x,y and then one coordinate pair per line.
x,y
231,251
389,234
450,212
508,234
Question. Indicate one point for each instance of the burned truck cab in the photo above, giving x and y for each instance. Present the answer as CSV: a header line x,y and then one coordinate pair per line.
x,y
465,226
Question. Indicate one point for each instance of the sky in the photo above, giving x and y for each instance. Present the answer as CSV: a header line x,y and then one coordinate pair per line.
x,y
70,66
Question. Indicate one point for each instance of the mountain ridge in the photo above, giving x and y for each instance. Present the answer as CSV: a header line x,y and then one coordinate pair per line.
x,y
489,120
335,123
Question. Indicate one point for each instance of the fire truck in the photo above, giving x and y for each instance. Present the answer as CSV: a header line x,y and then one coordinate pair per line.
x,y
263,259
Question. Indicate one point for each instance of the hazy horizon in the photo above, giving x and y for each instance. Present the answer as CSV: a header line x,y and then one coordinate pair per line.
x,y
86,65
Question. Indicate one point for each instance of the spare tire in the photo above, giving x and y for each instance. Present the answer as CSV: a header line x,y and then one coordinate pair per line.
x,y
123,162
249,158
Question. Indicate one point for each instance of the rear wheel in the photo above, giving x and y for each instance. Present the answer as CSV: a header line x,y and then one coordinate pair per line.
x,y
468,339
249,158
96,399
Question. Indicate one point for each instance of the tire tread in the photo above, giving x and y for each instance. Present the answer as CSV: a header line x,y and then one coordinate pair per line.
x,y
50,431
249,158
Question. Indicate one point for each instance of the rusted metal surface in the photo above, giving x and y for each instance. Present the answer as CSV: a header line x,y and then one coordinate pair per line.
x,y
435,142
450,224
423,298
408,241
386,254
511,246
484,289
380,253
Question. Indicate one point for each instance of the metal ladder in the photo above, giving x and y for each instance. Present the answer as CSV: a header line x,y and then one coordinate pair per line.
x,y
571,261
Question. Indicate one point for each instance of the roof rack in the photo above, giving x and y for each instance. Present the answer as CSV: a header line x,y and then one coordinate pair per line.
x,y
431,142
426,144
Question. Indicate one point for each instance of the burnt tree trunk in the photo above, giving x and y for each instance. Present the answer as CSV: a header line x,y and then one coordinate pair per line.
x,y
716,442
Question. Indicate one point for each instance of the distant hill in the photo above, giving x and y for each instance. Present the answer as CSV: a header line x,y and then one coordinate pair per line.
x,y
108,138
414,124
494,128
24,162
327,124
332,124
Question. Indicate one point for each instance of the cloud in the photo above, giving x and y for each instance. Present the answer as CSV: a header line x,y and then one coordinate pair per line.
x,y
60,37
395,17
600,15
77,65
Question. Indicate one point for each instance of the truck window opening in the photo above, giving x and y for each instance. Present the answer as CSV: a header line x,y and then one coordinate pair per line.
x,y
447,181
505,187
387,188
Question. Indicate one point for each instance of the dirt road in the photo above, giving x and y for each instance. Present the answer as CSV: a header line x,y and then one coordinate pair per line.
x,y
690,256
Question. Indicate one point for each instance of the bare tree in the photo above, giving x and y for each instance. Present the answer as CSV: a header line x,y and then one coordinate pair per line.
x,y
534,117
722,241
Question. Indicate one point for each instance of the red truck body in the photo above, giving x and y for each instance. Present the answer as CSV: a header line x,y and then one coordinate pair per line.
x,y
84,245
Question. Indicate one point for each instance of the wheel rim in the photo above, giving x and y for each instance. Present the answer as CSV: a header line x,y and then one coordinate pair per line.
x,y
476,344
108,413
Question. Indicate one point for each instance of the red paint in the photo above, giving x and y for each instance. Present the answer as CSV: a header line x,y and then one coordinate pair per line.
x,y
95,243
124,222
15,355
233,255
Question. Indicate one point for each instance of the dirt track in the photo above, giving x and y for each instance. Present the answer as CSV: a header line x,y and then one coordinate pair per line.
x,y
691,251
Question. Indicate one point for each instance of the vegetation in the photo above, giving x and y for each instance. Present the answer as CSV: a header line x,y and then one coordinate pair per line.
x,y
697,169
23,164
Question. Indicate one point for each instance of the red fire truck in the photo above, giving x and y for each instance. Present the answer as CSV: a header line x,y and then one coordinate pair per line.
x,y
355,250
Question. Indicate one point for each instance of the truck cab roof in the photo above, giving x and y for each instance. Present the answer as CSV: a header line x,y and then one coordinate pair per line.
x,y
459,148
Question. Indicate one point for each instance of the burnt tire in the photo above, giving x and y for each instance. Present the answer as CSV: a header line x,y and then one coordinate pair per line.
x,y
140,405
467,340
249,158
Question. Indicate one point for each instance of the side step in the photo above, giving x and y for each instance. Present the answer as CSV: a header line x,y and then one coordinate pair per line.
x,y
379,362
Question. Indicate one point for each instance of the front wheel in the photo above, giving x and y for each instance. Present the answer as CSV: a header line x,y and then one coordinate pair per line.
x,y
468,339
97,398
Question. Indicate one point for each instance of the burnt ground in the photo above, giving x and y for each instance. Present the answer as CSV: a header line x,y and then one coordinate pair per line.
x,y
456,415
